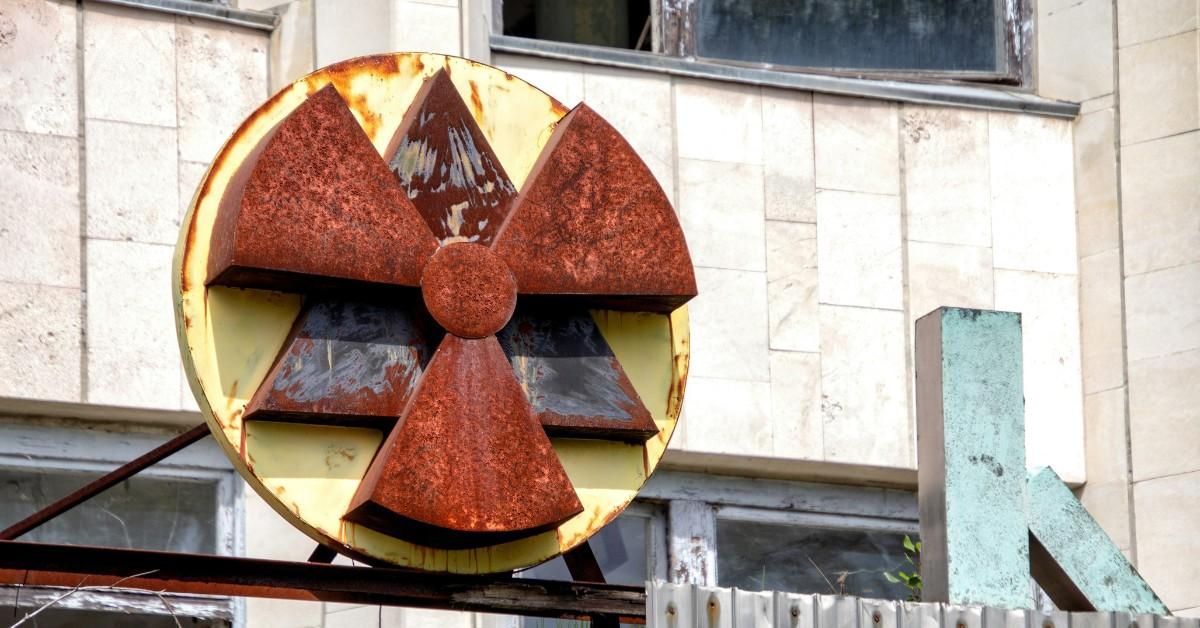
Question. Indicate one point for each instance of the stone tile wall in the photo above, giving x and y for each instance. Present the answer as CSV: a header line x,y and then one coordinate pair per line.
x,y
1137,186
822,227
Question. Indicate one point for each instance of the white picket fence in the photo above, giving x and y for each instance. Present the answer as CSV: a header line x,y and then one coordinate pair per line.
x,y
692,606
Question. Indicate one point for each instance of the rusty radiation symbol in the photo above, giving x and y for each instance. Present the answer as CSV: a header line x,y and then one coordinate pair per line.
x,y
445,307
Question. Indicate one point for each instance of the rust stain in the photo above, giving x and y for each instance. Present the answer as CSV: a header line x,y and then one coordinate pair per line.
x,y
476,102
558,108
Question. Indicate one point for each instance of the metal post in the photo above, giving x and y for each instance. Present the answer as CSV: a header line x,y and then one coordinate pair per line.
x,y
971,448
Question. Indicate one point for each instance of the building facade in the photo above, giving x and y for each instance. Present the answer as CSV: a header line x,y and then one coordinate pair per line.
x,y
825,213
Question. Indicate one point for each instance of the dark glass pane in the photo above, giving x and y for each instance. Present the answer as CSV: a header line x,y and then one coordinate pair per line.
x,y
69,618
621,549
142,512
611,23
853,34
781,557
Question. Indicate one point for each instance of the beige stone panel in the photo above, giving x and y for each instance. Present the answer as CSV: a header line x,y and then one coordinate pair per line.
x,y
1075,43
1107,439
728,416
129,65
393,617
1108,503
729,325
40,333
222,77
1033,198
1161,203
721,211
269,613
946,176
39,209
38,74
864,403
423,27
796,430
1142,20
1108,101
292,53
190,175
132,182
718,121
1049,307
1160,95
792,286
559,79
1101,322
788,155
1164,414
1096,182
1162,312
133,356
638,104
341,34
1167,510
346,616
947,275
857,144
859,260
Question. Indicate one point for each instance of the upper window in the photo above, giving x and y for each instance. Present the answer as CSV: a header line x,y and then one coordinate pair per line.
x,y
964,39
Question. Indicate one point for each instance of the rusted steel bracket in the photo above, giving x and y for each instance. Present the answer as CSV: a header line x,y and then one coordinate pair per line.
x,y
43,564
103,483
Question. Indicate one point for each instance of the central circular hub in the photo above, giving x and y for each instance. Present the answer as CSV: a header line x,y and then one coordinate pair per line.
x,y
469,290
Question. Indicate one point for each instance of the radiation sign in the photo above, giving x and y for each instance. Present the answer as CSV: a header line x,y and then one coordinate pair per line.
x,y
435,319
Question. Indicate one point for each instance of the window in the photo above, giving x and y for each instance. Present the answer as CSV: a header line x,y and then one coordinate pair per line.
x,y
844,556
965,39
630,550
188,503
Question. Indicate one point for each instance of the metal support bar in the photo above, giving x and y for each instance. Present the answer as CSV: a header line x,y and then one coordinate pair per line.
x,y
43,564
322,554
105,482
583,566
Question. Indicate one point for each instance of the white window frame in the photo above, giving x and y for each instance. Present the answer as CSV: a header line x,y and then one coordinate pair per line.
x,y
100,447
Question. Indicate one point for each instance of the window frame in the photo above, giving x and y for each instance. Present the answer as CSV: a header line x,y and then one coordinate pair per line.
x,y
98,447
673,36
809,504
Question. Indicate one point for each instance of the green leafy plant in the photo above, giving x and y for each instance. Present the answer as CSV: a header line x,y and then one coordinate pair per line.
x,y
912,555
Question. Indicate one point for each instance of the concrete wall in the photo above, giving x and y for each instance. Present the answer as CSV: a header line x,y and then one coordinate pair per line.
x,y
1135,65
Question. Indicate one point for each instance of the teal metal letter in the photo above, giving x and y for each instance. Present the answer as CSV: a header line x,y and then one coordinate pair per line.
x,y
971,453
1076,563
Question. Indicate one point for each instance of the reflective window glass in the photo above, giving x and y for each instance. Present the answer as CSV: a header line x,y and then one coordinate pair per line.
x,y
761,556
144,512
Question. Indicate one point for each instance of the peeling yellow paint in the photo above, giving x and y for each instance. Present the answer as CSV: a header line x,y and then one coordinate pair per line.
x,y
229,337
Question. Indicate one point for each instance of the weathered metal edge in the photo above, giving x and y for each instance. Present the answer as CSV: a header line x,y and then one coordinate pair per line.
x,y
975,97
257,20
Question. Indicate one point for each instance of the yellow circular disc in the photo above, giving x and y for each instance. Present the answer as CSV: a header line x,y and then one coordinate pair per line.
x,y
230,337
